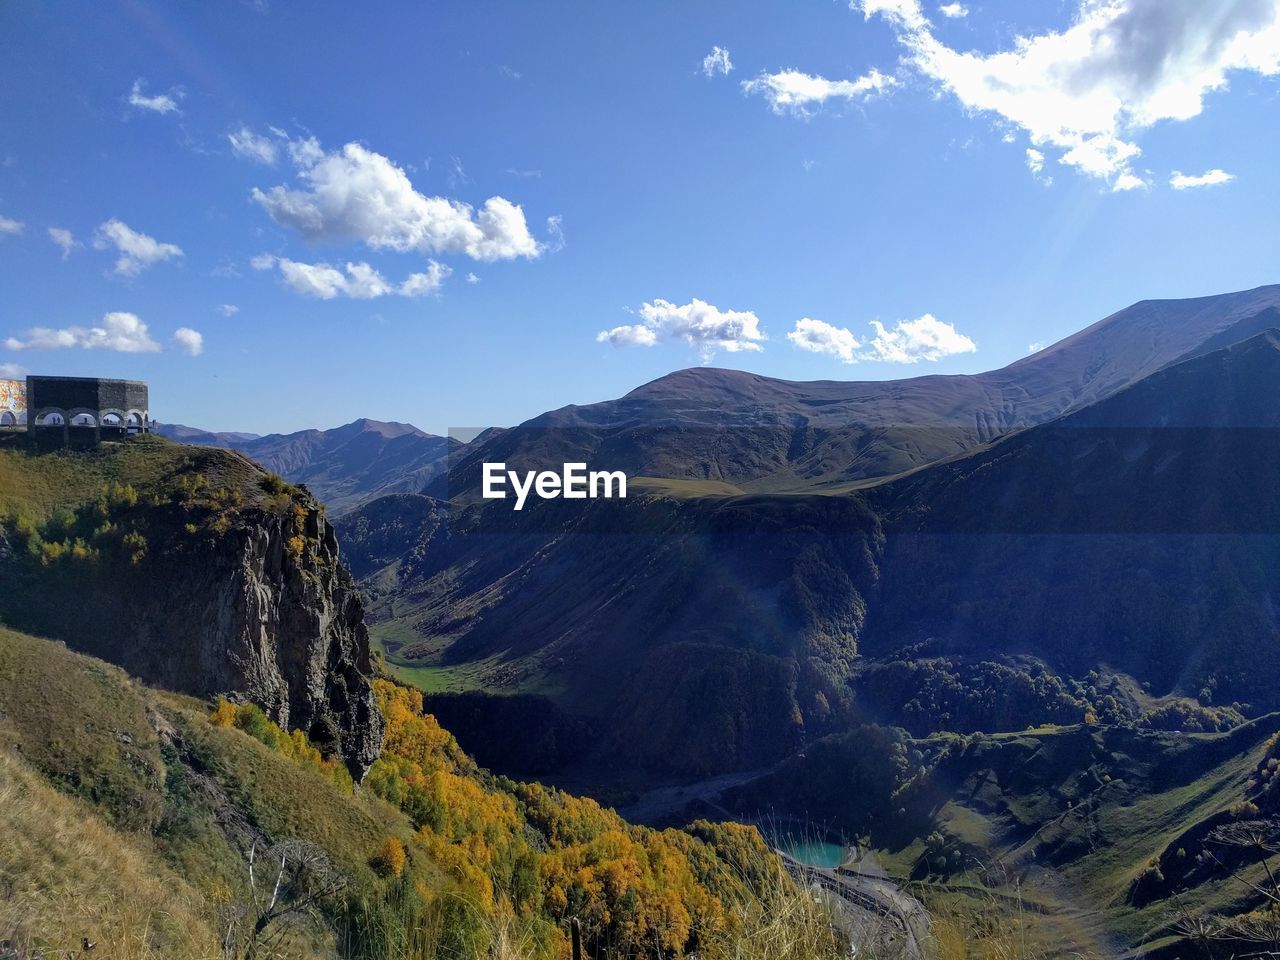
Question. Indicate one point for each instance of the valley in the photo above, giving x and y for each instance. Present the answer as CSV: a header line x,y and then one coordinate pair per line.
x,y
1102,570
1021,662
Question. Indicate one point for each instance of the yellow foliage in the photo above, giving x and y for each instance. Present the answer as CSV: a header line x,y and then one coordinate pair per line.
x,y
224,713
389,859
627,884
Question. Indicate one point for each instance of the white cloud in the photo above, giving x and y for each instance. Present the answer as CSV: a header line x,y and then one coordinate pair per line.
x,y
358,281
926,338
705,327
190,342
229,309
1211,178
818,336
11,227
555,230
137,250
304,153
1090,90
907,13
1035,347
354,193
908,342
64,239
161,103
791,91
472,278
629,335
954,10
717,61
420,284
252,146
1035,163
1128,181
13,371
124,332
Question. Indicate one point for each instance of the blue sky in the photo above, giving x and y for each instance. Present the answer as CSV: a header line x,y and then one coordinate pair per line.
x,y
858,164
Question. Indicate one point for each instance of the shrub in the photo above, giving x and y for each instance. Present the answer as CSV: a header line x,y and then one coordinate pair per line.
x,y
273,484
252,720
388,860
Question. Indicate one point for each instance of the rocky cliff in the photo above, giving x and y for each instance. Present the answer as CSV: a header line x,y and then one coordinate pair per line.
x,y
207,577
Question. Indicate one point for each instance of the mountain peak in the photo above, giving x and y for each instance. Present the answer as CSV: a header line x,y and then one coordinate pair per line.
x,y
383,428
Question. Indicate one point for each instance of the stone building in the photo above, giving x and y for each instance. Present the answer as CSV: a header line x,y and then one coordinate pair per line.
x,y
75,411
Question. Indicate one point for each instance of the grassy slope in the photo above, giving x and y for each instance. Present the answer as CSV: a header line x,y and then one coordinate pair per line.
x,y
137,815
35,486
55,892
1070,842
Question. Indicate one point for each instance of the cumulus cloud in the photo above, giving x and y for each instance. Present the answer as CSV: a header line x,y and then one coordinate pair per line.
x,y
11,227
252,146
717,61
120,331
910,341
13,371
137,250
160,103
818,336
704,327
954,10
190,342
797,93
1089,91
63,239
421,284
1211,178
354,193
629,335
358,281
1128,181
229,309
472,278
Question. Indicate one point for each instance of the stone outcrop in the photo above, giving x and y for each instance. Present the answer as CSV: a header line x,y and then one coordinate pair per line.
x,y
260,610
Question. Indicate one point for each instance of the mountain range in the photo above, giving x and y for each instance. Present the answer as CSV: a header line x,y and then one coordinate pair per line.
x,y
1015,632
344,466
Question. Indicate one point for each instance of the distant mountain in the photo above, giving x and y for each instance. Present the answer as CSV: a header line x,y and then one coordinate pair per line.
x,y
1142,532
205,438
765,434
1133,534
345,466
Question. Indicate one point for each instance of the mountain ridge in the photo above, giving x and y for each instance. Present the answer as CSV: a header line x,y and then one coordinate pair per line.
x,y
767,434
346,465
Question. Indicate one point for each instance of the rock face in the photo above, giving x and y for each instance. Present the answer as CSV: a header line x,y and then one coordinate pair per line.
x,y
280,628
257,608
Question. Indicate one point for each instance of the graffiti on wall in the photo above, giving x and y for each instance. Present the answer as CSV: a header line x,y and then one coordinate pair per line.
x,y
13,401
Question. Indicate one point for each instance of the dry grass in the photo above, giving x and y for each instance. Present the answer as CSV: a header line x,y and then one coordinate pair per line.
x,y
66,876
782,921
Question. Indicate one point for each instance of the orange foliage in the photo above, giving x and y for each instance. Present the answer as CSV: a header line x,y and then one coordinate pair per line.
x,y
389,859
627,884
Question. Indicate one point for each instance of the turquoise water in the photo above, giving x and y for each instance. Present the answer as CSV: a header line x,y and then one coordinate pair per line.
x,y
813,853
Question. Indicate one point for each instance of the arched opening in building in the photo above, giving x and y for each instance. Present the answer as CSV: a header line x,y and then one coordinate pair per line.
x,y
135,422
8,419
51,418
112,420
84,420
